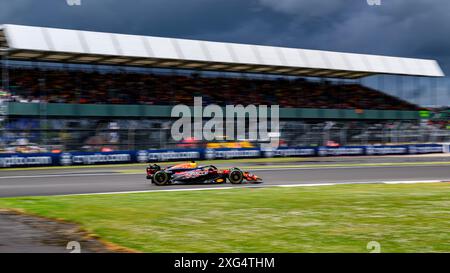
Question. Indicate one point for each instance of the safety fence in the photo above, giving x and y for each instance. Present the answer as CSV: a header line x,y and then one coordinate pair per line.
x,y
146,156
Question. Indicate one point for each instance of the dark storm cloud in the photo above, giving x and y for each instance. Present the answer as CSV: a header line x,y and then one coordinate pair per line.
x,y
413,28
417,28
178,18
410,28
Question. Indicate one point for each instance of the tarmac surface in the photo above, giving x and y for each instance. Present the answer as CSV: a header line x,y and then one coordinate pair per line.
x,y
110,179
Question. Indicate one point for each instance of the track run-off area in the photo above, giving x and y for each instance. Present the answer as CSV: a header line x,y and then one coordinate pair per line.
x,y
284,173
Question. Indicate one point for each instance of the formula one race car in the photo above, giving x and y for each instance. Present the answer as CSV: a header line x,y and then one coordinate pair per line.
x,y
191,173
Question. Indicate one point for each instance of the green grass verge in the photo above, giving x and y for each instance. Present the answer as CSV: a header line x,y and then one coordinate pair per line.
x,y
402,218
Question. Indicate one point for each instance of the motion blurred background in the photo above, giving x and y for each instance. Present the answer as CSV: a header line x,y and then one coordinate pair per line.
x,y
43,103
64,104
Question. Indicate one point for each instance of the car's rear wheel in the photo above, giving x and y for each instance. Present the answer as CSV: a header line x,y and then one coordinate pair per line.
x,y
236,176
161,178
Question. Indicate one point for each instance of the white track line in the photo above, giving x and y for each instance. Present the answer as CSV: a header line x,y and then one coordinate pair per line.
x,y
414,182
264,186
344,167
306,185
147,191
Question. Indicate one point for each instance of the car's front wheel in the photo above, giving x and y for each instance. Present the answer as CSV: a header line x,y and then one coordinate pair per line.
x,y
161,178
236,176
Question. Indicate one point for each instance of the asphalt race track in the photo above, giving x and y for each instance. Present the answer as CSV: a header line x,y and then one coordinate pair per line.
x,y
124,179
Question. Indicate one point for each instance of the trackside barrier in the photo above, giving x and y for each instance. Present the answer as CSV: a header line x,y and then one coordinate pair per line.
x,y
12,160
446,148
144,156
27,160
86,158
228,153
426,149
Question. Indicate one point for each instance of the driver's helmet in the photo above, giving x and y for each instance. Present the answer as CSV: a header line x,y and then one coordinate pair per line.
x,y
193,164
190,165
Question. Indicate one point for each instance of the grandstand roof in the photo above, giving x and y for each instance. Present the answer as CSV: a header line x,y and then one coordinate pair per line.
x,y
74,46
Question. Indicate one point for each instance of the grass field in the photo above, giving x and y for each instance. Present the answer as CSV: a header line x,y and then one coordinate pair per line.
x,y
402,218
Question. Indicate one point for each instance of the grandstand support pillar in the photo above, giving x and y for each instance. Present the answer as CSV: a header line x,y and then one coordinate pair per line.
x,y
416,84
435,90
5,85
5,69
43,108
399,87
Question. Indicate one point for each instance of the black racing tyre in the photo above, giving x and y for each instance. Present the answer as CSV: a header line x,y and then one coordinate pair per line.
x,y
161,178
236,176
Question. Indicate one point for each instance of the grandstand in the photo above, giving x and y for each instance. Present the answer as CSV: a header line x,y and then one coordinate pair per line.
x,y
153,89
79,90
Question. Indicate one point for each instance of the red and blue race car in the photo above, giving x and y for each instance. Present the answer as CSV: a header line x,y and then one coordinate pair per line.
x,y
191,173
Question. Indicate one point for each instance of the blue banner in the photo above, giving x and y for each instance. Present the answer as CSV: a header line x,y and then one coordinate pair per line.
x,y
426,148
229,153
88,158
387,150
291,152
146,156
28,160
337,151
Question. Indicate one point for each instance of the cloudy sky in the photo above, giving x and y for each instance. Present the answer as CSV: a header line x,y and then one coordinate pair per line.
x,y
410,28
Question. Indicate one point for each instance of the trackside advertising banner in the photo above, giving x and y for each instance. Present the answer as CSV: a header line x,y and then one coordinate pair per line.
x,y
446,148
386,150
231,153
86,158
426,149
290,152
336,151
146,156
27,160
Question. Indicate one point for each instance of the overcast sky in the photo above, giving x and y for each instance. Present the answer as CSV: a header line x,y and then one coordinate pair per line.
x,y
410,28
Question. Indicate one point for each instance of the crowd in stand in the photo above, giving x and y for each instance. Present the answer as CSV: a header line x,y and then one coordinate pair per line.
x,y
87,87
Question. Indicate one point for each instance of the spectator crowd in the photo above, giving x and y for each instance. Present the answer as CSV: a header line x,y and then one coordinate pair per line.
x,y
87,87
